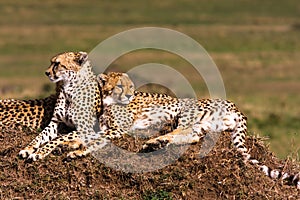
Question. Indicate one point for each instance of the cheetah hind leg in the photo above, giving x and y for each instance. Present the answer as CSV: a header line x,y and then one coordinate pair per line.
x,y
178,136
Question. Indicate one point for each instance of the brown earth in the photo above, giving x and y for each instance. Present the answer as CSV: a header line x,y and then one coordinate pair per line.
x,y
222,174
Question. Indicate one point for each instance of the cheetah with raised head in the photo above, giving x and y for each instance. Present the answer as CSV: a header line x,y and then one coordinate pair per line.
x,y
76,105
36,114
79,105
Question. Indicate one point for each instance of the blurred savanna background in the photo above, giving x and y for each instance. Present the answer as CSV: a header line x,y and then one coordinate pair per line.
x,y
255,44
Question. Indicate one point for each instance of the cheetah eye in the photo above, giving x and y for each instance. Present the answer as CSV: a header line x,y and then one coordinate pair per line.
x,y
120,86
55,65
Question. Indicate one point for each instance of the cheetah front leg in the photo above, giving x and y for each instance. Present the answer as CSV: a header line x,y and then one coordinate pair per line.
x,y
93,146
71,139
89,141
46,135
97,143
50,132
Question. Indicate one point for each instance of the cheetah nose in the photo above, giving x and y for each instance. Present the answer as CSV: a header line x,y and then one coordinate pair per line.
x,y
47,73
128,96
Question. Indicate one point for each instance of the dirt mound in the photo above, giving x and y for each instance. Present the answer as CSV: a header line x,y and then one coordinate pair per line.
x,y
220,175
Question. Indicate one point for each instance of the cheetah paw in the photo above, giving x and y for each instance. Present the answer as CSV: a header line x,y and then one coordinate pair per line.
x,y
73,155
33,157
155,144
25,153
76,154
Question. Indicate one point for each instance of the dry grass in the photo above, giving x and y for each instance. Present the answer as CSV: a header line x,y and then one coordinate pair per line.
x,y
255,45
220,175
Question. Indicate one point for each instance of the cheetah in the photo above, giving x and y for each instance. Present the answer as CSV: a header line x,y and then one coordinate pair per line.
x,y
36,114
125,111
76,104
194,118
33,114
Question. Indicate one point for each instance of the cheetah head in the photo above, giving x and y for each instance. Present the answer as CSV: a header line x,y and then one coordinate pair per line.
x,y
64,65
117,88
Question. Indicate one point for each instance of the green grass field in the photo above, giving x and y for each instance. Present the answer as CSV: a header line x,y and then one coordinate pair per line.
x,y
255,44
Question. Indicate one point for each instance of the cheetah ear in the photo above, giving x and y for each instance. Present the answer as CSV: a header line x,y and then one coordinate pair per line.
x,y
83,56
102,79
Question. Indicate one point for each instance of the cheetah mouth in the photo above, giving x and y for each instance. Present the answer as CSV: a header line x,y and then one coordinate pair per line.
x,y
54,79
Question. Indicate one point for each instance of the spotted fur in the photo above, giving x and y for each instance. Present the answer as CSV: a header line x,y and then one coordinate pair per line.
x,y
76,105
193,118
125,110
79,105
34,114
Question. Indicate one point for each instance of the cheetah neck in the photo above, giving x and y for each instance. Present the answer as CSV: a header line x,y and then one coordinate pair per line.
x,y
58,87
81,77
79,82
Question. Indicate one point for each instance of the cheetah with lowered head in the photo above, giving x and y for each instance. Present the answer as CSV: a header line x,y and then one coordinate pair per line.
x,y
193,118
